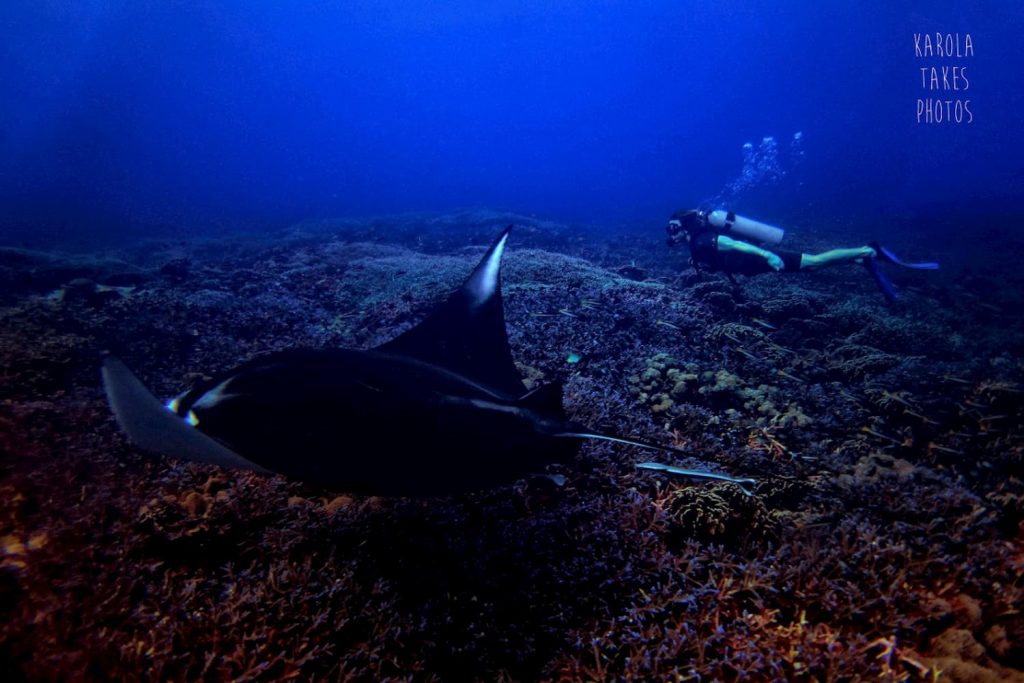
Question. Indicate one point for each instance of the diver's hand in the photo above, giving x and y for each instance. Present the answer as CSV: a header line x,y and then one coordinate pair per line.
x,y
774,261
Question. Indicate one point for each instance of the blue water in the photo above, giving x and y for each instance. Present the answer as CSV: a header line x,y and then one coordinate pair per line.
x,y
133,117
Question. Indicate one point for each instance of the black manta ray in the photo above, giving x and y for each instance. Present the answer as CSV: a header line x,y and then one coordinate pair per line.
x,y
438,410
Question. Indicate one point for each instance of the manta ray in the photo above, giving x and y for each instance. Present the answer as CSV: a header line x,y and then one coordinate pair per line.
x,y
439,410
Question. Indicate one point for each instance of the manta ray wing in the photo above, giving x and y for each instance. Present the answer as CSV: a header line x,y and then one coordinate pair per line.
x,y
466,334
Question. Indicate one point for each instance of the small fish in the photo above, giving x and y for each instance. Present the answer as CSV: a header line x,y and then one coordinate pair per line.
x,y
964,410
566,311
733,338
591,305
924,419
849,397
958,380
898,399
872,432
782,349
783,373
748,354
665,323
763,323
123,291
1011,388
934,446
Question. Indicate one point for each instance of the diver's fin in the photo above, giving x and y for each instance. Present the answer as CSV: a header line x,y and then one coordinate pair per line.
x,y
889,257
151,426
466,334
887,288
696,474
546,399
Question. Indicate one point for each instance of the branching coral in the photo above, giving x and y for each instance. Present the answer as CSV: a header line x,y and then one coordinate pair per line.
x,y
722,514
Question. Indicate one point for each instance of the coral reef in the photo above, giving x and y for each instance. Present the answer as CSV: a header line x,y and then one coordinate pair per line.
x,y
882,540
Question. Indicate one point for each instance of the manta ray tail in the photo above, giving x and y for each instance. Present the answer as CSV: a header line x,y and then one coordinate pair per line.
x,y
149,425
743,483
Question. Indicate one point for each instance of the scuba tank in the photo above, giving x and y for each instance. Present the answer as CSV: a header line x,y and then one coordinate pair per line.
x,y
728,223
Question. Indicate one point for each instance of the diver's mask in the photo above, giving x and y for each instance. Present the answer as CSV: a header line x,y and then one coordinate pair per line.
x,y
677,227
675,232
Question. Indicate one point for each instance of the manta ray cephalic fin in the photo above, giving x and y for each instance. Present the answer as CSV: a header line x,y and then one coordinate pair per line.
x,y
149,425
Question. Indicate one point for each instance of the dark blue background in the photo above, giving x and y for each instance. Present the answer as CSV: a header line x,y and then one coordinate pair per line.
x,y
197,115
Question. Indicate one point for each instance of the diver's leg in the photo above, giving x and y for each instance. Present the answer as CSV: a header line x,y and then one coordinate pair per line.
x,y
834,256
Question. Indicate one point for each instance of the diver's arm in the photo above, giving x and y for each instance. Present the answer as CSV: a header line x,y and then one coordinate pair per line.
x,y
729,244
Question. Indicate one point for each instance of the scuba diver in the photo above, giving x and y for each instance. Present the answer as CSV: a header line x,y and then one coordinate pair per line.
x,y
721,240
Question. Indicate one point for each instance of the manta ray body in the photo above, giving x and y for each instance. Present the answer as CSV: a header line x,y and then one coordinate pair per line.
x,y
439,410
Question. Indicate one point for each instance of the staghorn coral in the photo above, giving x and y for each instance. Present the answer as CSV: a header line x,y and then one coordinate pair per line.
x,y
854,361
725,333
720,514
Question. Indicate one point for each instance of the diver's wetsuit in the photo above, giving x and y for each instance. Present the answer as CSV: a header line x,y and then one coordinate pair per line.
x,y
705,254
